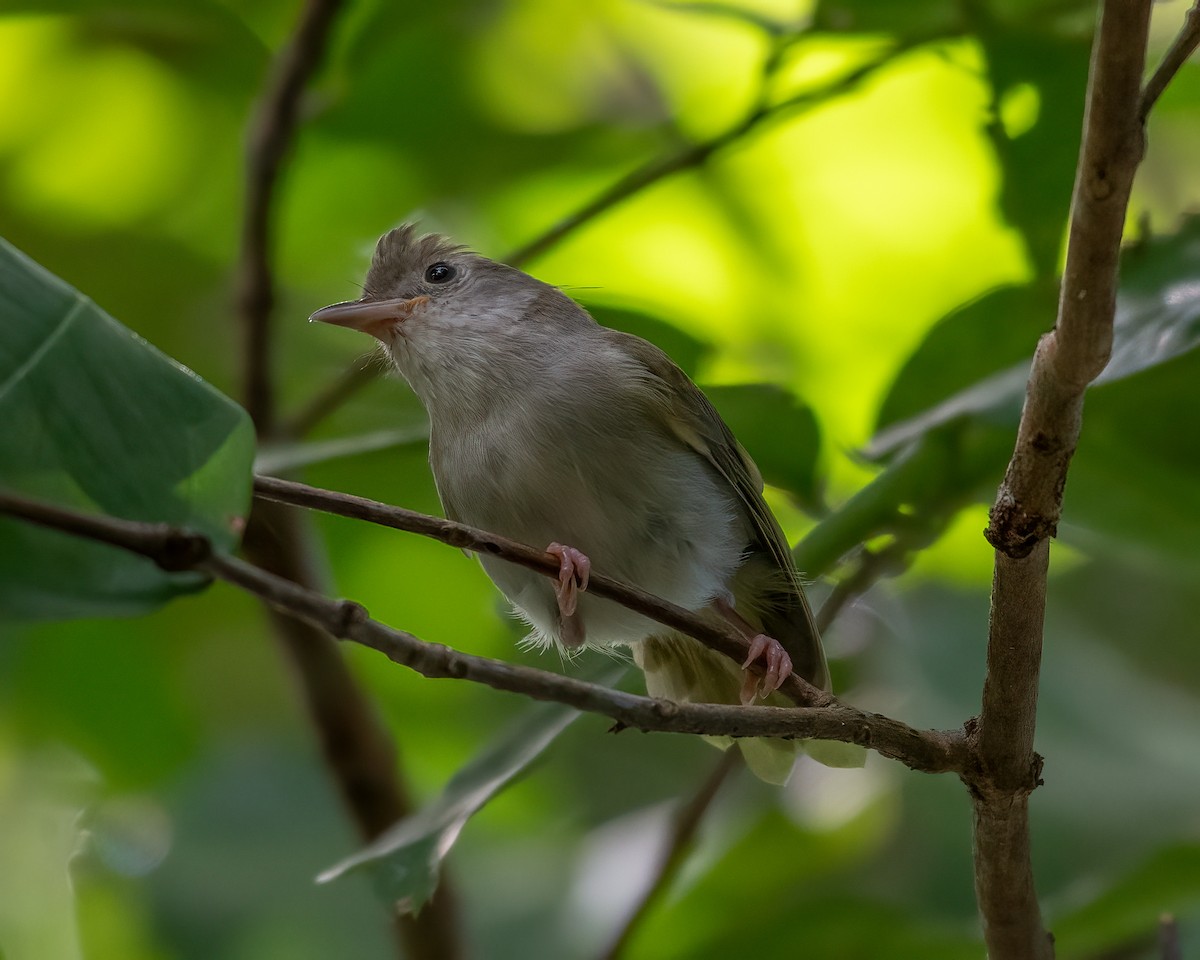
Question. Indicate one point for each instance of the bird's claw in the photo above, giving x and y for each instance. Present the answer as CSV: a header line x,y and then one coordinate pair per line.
x,y
778,664
574,568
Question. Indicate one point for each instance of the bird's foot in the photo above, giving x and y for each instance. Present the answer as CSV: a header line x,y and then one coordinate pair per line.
x,y
574,568
778,665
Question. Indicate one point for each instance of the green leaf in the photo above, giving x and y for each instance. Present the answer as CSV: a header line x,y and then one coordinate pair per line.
x,y
965,348
98,420
780,432
406,860
1038,79
1157,321
1169,882
1132,477
203,40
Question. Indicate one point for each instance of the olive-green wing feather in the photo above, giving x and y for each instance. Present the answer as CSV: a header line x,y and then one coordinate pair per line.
x,y
694,420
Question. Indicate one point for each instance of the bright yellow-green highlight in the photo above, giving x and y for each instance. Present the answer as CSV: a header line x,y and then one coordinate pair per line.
x,y
1019,109
104,134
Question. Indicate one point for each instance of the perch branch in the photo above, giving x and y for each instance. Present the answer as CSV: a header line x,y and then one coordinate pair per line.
x,y
1029,502
930,751
712,633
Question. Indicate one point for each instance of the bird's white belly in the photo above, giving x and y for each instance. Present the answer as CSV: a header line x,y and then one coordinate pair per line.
x,y
667,525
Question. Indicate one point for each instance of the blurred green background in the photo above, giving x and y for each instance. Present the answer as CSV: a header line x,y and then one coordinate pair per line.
x,y
870,253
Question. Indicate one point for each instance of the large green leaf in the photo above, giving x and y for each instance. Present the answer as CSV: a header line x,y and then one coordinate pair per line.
x,y
98,420
995,332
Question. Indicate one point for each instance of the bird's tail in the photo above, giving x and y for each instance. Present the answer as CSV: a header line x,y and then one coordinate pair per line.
x,y
681,669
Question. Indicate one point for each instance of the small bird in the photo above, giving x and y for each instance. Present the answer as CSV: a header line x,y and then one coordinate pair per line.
x,y
555,431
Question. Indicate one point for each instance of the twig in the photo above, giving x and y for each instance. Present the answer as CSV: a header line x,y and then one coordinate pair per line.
x,y
872,565
930,751
1168,938
271,134
712,633
675,850
697,154
1029,501
1181,48
171,549
330,399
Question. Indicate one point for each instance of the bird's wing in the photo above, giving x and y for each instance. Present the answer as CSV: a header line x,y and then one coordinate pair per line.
x,y
693,419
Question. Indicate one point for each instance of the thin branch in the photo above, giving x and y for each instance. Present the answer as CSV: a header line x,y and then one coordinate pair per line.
x,y
1181,48
695,155
872,565
1169,947
1029,502
272,131
930,751
331,398
171,549
676,847
713,633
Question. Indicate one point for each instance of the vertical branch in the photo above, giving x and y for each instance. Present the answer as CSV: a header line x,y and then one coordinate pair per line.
x,y
358,751
1029,502
357,748
271,133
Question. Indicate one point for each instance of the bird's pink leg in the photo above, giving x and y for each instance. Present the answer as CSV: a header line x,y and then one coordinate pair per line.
x,y
574,568
770,650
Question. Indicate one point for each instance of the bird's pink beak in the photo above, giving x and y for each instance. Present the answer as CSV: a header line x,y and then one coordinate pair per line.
x,y
375,317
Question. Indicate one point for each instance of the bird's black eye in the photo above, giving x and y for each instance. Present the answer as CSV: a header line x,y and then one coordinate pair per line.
x,y
440,273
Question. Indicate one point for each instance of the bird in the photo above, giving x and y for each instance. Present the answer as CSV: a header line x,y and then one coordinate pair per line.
x,y
550,429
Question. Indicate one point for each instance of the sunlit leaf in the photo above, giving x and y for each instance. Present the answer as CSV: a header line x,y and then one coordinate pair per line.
x,y
730,11
98,420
